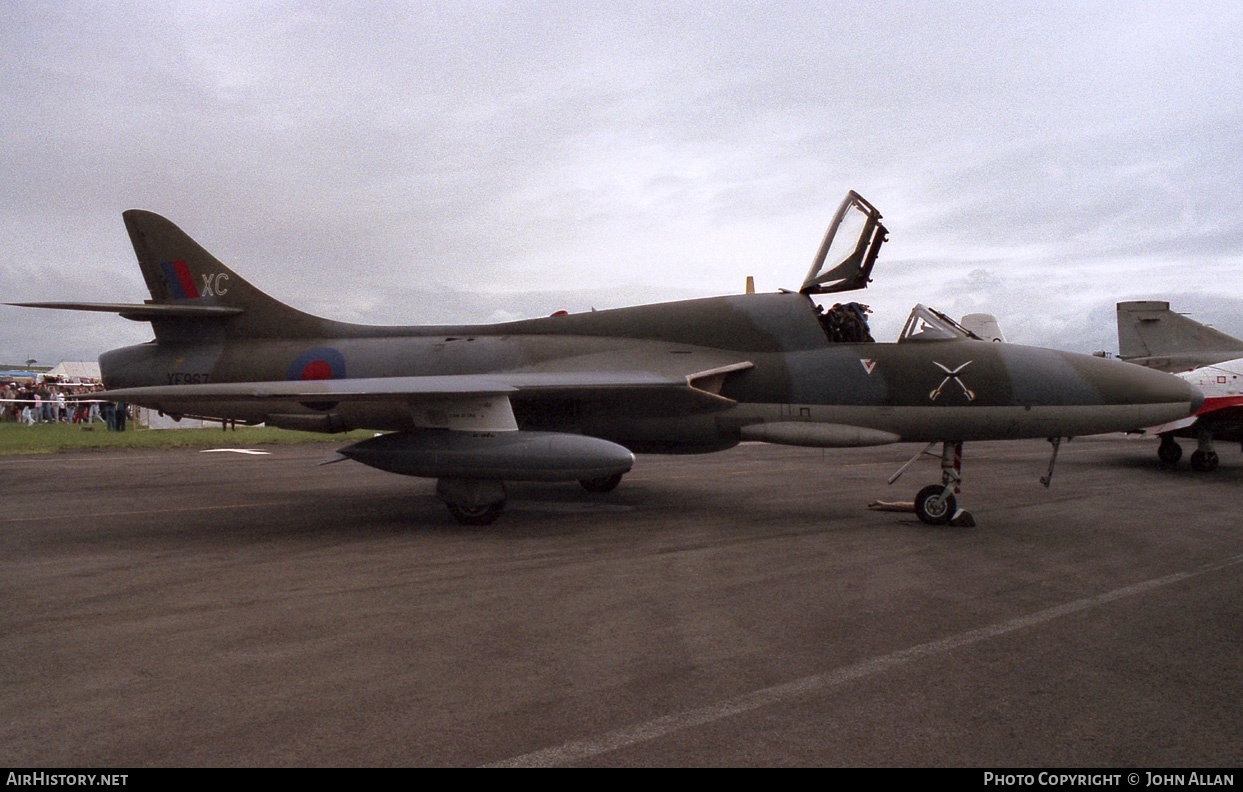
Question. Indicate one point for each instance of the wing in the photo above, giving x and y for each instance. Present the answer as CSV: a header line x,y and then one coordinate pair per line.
x,y
476,402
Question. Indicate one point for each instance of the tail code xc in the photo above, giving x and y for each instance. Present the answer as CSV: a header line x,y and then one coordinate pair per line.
x,y
181,282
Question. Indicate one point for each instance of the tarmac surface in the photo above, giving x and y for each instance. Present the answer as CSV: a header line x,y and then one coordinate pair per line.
x,y
184,608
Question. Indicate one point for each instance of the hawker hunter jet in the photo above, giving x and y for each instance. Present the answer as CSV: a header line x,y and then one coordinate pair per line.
x,y
572,397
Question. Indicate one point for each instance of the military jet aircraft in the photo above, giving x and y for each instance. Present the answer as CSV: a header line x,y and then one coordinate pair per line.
x,y
1219,418
1152,335
573,397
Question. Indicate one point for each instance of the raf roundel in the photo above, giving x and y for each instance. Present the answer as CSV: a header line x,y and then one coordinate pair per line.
x,y
317,364
321,363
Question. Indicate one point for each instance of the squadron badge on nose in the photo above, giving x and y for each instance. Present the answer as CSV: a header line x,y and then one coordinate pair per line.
x,y
952,376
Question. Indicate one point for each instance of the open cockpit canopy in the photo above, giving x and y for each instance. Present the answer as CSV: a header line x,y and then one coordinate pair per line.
x,y
848,252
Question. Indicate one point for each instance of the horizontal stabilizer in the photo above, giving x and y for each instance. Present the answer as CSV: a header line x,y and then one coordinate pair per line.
x,y
141,312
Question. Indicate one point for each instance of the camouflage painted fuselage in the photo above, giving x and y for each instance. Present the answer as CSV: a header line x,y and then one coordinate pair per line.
x,y
867,393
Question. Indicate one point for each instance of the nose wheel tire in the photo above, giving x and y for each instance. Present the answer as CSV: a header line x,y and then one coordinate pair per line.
x,y
934,509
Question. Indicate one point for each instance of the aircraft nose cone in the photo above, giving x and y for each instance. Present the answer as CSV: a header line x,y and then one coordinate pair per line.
x,y
1129,397
1158,387
1165,394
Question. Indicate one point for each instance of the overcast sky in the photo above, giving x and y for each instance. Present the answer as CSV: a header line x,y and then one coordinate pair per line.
x,y
447,162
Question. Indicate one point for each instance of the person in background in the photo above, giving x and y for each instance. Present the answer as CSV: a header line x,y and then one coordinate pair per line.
x,y
28,409
92,412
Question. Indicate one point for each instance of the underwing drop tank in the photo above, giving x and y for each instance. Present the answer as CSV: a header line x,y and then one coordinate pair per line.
x,y
510,456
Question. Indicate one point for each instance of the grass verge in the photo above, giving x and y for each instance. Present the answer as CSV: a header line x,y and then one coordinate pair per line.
x,y
50,438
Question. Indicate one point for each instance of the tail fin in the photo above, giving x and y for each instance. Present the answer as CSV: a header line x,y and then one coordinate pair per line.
x,y
1150,334
182,275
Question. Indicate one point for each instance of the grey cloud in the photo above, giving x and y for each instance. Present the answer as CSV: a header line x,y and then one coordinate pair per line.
x,y
360,161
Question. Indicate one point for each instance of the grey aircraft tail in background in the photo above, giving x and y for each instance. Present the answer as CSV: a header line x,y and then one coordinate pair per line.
x,y
1152,335
572,397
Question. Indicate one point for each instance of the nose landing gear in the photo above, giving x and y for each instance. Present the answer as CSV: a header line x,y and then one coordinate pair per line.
x,y
936,504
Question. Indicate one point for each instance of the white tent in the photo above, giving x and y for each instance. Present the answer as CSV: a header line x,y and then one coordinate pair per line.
x,y
153,420
81,372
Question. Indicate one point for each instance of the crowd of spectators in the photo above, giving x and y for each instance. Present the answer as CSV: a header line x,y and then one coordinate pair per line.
x,y
34,403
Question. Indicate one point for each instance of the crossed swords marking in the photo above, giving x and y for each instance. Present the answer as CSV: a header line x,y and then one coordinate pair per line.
x,y
952,376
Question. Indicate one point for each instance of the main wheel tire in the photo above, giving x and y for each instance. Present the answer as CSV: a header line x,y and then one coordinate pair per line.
x,y
1204,461
1169,452
932,508
476,515
600,485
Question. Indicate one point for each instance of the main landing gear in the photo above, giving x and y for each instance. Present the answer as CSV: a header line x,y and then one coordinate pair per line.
x,y
472,501
481,501
1203,460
